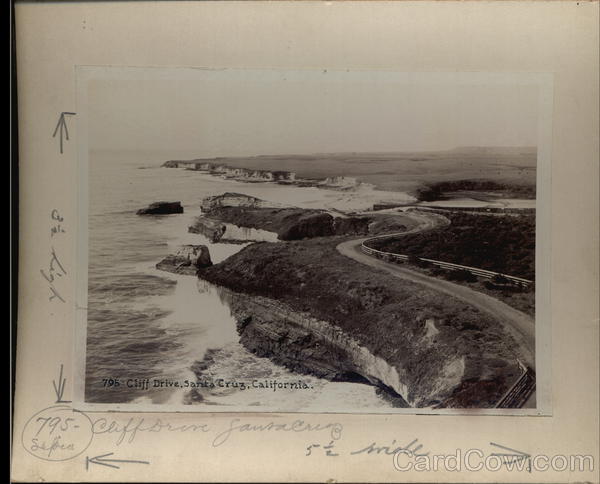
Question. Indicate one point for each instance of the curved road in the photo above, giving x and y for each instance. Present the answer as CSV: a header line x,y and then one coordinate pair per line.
x,y
518,324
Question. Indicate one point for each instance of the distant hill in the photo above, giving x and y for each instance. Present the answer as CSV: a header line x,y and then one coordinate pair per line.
x,y
497,150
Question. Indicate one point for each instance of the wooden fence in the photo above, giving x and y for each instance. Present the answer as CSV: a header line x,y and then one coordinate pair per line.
x,y
390,256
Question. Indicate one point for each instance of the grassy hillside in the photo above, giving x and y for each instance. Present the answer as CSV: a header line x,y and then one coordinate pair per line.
x,y
447,189
499,244
299,223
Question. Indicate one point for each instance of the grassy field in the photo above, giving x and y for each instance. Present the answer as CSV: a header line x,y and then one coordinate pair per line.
x,y
499,244
446,190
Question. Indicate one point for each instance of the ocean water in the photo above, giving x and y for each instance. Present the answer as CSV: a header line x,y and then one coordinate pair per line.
x,y
146,324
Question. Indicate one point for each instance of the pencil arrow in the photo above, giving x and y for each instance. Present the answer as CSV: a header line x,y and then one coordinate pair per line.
x,y
59,388
513,456
61,128
101,460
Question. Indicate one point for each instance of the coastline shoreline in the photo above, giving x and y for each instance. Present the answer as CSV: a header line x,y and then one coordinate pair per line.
x,y
259,337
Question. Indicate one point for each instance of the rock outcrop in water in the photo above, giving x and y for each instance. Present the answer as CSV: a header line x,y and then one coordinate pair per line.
x,y
161,208
187,260
212,229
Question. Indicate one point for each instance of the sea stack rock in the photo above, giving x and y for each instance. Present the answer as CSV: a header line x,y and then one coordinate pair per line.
x,y
187,260
161,208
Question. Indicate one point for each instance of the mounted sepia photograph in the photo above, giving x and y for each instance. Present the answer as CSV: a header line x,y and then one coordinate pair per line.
x,y
329,241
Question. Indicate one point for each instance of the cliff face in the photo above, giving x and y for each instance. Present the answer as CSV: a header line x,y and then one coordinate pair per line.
x,y
242,174
217,231
245,173
303,344
287,223
269,328
340,182
213,230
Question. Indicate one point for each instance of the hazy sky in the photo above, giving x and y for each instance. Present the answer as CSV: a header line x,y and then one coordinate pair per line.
x,y
228,117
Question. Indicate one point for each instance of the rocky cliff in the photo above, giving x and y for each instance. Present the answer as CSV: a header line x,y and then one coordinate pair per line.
x,y
212,229
304,344
306,306
187,260
213,167
290,223
340,182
